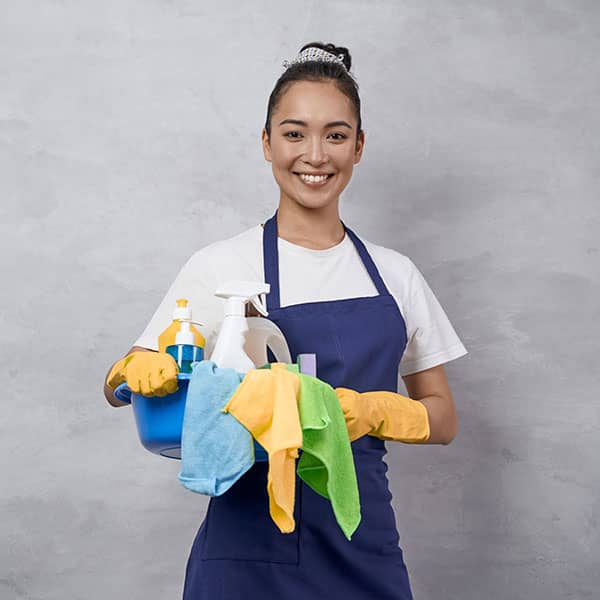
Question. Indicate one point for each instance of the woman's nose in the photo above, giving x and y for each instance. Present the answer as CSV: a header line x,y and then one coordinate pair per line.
x,y
316,153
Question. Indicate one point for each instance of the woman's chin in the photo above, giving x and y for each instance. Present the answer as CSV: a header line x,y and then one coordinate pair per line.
x,y
314,203
311,199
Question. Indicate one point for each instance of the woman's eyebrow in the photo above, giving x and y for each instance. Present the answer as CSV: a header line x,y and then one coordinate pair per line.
x,y
304,124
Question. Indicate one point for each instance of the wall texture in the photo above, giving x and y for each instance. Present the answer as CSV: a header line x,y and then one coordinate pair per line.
x,y
129,137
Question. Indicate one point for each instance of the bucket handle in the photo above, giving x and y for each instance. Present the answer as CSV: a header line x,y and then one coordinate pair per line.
x,y
306,362
123,393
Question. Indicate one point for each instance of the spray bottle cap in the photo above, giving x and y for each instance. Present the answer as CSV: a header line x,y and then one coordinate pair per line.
x,y
185,335
238,293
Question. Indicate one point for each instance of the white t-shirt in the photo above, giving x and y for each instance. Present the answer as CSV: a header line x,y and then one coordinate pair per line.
x,y
307,275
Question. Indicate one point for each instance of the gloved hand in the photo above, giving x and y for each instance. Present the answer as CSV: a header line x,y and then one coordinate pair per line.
x,y
385,415
146,373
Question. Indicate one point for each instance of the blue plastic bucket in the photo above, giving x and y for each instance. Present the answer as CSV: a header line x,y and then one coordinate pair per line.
x,y
159,420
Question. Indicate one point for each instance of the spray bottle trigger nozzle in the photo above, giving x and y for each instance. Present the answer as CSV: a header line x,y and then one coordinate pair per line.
x,y
259,303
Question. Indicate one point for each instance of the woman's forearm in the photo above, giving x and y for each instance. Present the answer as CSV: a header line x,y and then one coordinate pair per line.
x,y
443,422
431,388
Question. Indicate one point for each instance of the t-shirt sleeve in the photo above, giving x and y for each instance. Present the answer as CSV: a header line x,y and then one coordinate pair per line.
x,y
196,282
431,339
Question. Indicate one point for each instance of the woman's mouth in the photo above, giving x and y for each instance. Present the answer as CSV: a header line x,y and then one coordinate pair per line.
x,y
314,180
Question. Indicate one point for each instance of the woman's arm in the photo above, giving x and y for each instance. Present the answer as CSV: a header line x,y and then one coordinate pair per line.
x,y
431,388
108,391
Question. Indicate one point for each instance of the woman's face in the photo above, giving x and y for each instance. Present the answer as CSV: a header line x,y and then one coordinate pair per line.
x,y
313,131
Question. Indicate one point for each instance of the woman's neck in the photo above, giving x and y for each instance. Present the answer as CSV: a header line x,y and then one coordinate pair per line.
x,y
314,228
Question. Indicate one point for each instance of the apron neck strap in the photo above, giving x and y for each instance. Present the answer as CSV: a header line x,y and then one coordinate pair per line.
x,y
271,262
368,262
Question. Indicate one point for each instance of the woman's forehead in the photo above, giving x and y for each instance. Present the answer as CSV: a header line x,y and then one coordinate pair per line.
x,y
314,101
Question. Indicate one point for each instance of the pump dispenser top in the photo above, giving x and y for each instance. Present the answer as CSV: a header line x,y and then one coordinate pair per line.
x,y
182,314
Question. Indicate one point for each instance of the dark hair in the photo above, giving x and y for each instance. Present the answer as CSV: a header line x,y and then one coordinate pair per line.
x,y
313,70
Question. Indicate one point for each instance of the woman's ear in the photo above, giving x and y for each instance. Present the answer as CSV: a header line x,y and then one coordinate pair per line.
x,y
266,145
360,144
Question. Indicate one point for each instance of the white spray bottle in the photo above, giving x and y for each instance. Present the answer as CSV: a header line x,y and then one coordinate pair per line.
x,y
242,342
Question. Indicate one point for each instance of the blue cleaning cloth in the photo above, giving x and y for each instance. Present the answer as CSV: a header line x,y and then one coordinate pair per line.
x,y
216,449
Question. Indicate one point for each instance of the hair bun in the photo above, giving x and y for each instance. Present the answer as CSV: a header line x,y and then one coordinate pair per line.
x,y
339,51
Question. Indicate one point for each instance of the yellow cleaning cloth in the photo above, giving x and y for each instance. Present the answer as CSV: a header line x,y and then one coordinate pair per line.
x,y
266,403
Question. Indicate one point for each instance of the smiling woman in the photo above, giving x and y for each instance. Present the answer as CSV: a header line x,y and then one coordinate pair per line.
x,y
369,316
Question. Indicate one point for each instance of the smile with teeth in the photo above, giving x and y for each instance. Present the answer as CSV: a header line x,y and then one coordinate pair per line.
x,y
314,179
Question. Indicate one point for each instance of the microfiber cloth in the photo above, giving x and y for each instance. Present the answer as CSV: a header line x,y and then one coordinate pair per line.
x,y
266,404
216,449
327,463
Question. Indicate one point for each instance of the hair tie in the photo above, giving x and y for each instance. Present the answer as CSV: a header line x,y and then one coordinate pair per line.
x,y
316,54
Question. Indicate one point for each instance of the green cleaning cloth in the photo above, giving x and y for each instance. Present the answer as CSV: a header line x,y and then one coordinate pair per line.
x,y
327,463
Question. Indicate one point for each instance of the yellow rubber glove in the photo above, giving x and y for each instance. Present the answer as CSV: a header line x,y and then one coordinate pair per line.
x,y
385,415
146,373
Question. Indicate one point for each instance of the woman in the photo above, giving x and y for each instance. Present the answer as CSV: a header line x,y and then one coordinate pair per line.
x,y
366,312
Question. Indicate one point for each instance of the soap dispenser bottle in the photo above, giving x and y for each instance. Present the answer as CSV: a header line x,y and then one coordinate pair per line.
x,y
184,350
182,313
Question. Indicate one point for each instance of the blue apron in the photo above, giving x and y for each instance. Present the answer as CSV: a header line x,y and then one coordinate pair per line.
x,y
238,551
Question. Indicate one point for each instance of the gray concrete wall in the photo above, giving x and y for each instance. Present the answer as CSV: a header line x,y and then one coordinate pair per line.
x,y
129,137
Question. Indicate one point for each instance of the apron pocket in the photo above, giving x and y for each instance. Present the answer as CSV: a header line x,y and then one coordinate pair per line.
x,y
377,533
238,525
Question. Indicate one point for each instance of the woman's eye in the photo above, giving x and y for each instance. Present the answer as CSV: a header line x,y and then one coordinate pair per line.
x,y
295,135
